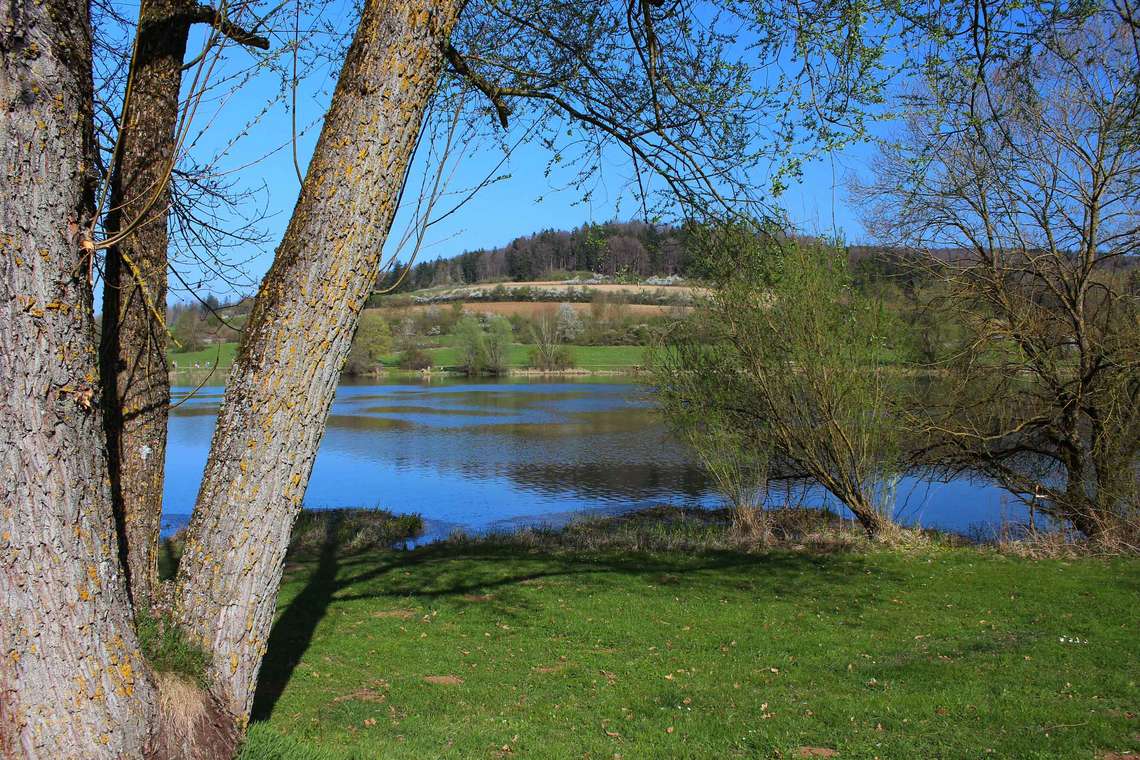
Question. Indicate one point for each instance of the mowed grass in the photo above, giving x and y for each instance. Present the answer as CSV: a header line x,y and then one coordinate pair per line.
x,y
221,355
483,649
585,357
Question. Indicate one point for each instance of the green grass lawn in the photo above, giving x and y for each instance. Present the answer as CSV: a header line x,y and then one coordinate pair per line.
x,y
585,357
487,649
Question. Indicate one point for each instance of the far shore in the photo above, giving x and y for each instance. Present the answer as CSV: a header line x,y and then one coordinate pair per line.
x,y
221,372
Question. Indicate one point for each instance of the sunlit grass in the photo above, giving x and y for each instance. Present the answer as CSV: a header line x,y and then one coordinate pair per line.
x,y
485,649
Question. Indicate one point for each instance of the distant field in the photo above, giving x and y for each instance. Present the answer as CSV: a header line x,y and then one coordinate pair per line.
x,y
518,357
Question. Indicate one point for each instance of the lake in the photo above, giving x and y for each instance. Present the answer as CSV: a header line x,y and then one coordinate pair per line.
x,y
483,456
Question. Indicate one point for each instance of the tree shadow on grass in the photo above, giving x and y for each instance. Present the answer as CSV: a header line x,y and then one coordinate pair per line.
x,y
293,630
461,571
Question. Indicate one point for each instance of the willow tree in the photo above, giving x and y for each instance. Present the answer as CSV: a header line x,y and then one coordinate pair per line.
x,y
782,372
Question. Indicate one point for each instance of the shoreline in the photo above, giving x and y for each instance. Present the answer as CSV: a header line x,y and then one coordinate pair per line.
x,y
666,527
632,371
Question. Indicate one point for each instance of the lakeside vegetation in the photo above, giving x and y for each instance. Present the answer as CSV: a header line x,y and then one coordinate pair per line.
x,y
663,635
624,359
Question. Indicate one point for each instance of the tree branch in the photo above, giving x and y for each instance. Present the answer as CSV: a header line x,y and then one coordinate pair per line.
x,y
491,90
205,14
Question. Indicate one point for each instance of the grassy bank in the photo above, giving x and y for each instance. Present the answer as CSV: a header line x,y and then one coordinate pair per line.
x,y
590,358
661,640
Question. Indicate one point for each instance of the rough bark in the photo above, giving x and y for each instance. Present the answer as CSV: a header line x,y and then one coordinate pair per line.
x,y
297,338
72,682
136,382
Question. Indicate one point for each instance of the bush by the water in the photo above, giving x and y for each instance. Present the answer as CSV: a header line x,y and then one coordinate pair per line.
x,y
373,339
786,367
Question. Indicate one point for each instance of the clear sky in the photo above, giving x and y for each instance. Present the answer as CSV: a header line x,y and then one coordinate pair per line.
x,y
526,201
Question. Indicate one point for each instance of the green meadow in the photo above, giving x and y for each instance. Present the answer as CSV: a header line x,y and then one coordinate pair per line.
x,y
502,648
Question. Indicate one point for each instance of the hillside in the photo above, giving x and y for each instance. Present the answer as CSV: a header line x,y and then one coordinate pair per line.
x,y
615,250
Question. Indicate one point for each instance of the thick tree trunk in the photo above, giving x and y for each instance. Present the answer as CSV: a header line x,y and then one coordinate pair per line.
x,y
136,381
298,336
72,682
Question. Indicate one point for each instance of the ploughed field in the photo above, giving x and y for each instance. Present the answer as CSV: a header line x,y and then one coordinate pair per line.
x,y
491,648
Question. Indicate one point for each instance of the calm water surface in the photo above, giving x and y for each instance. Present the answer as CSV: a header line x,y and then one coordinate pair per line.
x,y
494,455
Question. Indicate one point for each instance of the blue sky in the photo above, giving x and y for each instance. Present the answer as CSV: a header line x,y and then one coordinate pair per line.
x,y
527,201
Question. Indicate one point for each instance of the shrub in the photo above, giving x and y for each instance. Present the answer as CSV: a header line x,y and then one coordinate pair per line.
x,y
787,360
414,358
554,360
472,346
548,352
569,323
496,344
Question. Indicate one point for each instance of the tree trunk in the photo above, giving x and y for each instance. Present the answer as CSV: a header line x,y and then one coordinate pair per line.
x,y
869,518
72,682
136,381
298,335
1085,514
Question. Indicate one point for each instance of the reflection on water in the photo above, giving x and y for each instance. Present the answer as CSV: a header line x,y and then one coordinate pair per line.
x,y
480,456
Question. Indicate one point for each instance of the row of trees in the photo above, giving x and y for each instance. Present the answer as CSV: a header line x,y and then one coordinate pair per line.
x,y
483,343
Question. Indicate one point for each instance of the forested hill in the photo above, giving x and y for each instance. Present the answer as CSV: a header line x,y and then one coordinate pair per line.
x,y
622,249
616,249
